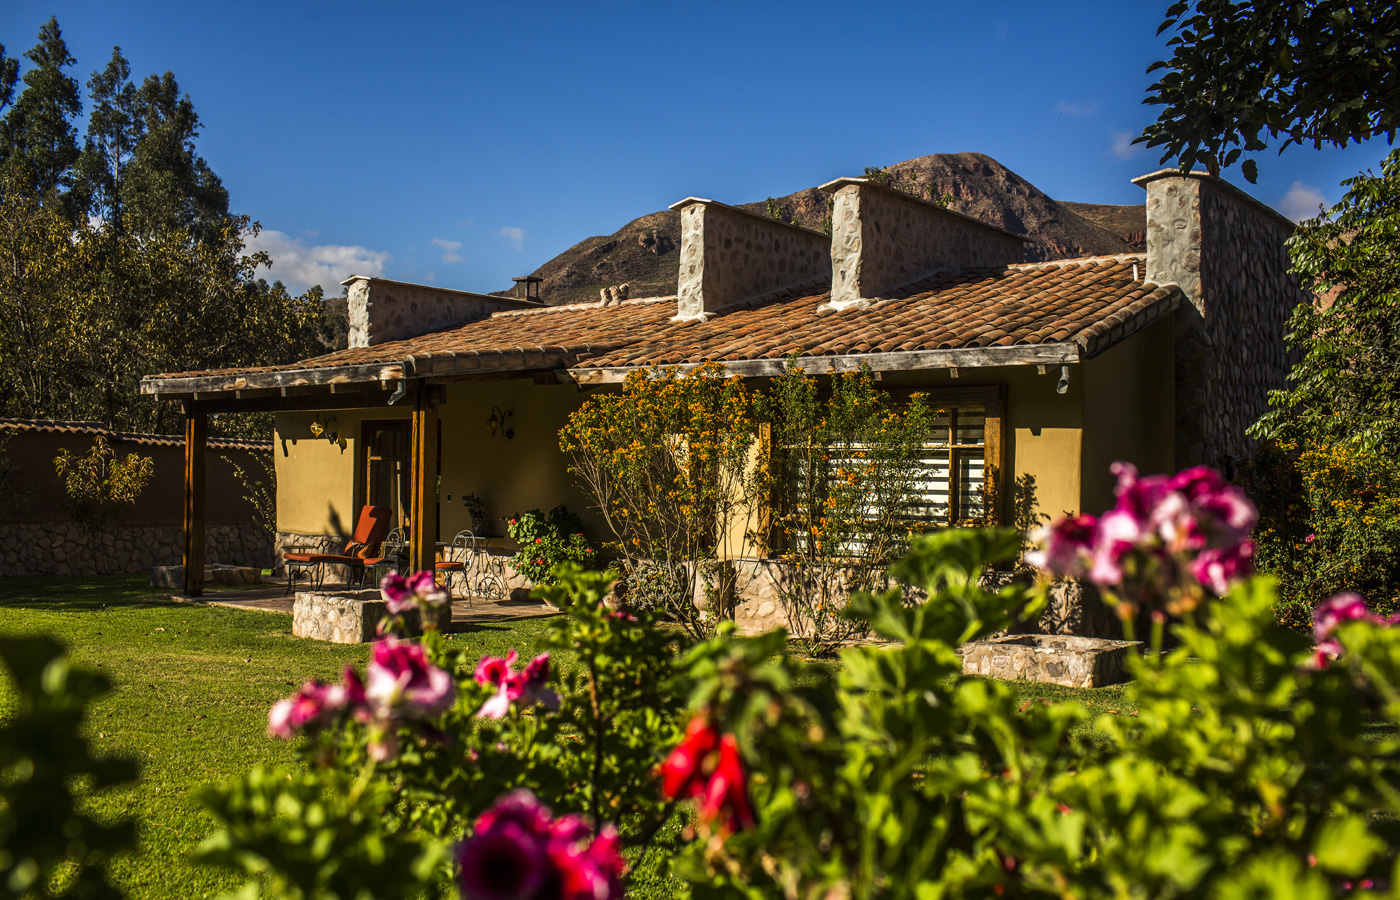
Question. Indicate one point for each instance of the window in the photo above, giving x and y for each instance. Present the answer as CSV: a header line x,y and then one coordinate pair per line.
x,y
954,488
960,478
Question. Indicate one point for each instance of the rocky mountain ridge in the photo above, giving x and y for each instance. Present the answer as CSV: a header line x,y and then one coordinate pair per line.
x,y
643,253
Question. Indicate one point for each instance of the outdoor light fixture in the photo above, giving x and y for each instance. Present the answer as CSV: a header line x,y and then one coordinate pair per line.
x,y
319,429
497,422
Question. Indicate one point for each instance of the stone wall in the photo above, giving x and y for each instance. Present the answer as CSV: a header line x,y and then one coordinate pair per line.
x,y
381,310
1226,251
729,255
64,549
882,238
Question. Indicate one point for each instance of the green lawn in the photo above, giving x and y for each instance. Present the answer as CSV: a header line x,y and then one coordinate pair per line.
x,y
193,686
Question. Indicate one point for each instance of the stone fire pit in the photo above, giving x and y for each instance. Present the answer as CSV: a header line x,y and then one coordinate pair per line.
x,y
349,617
1052,658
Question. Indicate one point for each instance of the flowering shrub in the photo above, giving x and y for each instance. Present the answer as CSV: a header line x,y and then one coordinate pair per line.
x,y
844,472
548,542
1248,771
667,463
397,765
1257,765
1330,522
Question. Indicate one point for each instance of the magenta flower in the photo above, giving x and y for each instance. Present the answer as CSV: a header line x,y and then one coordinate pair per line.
x,y
396,591
1329,616
518,850
1066,545
426,589
1165,539
402,594
1217,569
316,706
401,681
493,671
527,687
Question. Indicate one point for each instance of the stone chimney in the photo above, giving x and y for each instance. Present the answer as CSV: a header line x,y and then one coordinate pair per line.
x,y
729,255
882,239
382,310
1226,252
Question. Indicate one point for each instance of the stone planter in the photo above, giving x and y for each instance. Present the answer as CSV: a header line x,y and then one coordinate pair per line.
x,y
350,617
1051,658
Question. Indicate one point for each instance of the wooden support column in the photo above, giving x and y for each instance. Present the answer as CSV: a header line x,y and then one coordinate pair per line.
x,y
196,431
423,473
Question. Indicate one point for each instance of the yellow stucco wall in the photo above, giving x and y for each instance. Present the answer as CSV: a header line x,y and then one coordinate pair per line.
x,y
511,475
1044,429
1122,400
1129,408
316,480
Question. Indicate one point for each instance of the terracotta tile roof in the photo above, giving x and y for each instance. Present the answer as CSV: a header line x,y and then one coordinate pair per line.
x,y
1092,302
51,426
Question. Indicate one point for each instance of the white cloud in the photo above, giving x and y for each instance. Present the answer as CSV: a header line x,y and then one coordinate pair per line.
x,y
1088,108
449,248
515,235
299,265
1301,202
1123,146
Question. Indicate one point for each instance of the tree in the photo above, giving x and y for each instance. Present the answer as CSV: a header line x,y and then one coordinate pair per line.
x,y
50,321
9,75
1243,73
38,143
113,131
168,184
1345,387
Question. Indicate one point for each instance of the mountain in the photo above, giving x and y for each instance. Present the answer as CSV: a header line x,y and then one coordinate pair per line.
x,y
643,253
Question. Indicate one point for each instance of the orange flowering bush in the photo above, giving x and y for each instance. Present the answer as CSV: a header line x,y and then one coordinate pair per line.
x,y
667,461
1330,522
843,477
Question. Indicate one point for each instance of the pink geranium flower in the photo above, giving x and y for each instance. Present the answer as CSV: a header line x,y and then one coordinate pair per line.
x,y
315,706
1165,539
418,590
402,682
526,687
518,850
1065,545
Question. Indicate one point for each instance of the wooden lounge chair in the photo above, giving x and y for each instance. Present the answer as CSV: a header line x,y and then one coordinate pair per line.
x,y
370,529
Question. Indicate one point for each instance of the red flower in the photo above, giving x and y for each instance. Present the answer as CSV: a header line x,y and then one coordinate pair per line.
x,y
707,765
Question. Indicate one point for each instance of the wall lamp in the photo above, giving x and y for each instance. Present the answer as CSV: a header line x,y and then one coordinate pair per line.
x,y
497,422
320,429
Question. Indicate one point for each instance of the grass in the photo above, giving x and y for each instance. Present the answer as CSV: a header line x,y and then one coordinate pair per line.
x,y
193,685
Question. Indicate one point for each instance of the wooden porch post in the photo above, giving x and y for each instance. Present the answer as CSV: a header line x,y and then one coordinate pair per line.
x,y
196,430
423,468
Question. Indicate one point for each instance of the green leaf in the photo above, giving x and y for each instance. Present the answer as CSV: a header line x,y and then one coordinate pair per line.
x,y
1346,845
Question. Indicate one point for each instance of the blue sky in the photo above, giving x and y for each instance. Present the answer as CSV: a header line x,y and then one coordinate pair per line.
x,y
462,143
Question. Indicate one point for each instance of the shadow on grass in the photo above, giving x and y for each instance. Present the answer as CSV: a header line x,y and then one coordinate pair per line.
x,y
497,625
81,594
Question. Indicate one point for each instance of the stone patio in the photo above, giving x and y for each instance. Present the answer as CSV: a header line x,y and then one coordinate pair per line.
x,y
1051,658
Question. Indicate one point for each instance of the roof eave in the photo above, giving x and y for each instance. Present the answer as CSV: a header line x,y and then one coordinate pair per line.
x,y
898,361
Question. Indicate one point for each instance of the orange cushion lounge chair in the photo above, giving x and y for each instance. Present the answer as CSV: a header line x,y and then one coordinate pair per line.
x,y
370,529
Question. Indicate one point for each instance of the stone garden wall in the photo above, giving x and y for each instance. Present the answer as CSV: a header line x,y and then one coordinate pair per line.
x,y
65,549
